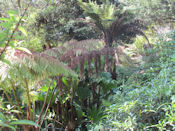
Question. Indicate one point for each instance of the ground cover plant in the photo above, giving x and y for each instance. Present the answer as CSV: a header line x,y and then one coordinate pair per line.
x,y
87,65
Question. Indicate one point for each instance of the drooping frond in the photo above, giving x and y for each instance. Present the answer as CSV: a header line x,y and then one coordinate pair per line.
x,y
105,59
78,47
89,45
85,53
32,66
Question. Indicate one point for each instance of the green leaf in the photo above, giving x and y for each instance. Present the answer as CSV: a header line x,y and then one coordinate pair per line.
x,y
11,43
168,92
6,25
23,122
4,19
24,49
2,57
15,111
18,37
65,82
2,43
173,58
2,117
43,89
22,30
3,38
6,61
106,103
2,124
83,92
3,34
12,12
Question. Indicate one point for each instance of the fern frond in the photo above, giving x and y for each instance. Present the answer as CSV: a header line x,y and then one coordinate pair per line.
x,y
102,15
78,47
116,22
33,67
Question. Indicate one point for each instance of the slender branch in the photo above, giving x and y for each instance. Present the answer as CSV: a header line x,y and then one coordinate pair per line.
x,y
16,99
28,100
8,97
50,100
11,37
34,110
52,125
48,106
43,106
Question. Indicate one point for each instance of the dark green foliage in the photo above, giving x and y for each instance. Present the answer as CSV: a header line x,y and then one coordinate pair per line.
x,y
90,94
80,30
60,23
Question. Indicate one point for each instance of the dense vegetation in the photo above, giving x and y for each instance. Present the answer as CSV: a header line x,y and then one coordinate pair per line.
x,y
87,65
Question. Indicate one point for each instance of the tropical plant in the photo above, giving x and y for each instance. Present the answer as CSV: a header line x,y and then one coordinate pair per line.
x,y
114,21
12,124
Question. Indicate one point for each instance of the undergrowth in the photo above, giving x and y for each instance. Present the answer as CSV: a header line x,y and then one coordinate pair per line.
x,y
144,100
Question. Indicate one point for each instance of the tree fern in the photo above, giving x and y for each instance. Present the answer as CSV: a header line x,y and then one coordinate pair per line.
x,y
26,70
103,15
114,21
33,66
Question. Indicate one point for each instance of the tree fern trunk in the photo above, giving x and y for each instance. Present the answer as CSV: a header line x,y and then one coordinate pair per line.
x,y
108,38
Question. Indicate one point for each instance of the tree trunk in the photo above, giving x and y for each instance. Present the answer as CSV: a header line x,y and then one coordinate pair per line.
x,y
108,38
